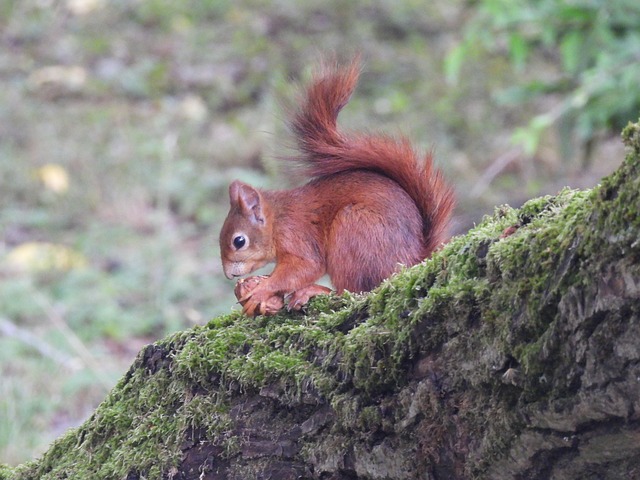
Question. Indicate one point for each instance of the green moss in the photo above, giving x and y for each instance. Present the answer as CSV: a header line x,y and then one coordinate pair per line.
x,y
5,472
369,419
631,136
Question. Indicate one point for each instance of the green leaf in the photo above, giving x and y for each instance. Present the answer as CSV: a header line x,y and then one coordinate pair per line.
x,y
453,63
519,50
571,50
527,138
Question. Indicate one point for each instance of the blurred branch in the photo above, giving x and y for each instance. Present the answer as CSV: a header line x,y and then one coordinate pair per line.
x,y
57,319
10,329
496,167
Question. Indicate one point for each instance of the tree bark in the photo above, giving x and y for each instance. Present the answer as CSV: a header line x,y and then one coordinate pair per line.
x,y
514,353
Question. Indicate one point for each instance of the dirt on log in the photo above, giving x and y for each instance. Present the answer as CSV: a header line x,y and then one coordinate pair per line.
x,y
514,353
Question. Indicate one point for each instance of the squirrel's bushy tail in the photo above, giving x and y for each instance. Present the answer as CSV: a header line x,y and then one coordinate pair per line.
x,y
327,151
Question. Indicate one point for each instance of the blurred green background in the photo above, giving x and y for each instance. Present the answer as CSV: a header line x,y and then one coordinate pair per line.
x,y
122,123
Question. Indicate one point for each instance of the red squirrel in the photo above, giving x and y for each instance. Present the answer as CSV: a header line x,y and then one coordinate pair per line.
x,y
371,205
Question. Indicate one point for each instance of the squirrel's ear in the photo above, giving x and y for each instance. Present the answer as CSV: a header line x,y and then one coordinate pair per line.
x,y
247,199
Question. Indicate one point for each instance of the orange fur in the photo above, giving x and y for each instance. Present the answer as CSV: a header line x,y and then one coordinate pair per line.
x,y
371,204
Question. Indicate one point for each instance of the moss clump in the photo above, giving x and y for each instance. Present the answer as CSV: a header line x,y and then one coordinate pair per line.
x,y
5,472
631,136
481,321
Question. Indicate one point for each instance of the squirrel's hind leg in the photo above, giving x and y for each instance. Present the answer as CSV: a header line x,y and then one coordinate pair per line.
x,y
369,244
299,298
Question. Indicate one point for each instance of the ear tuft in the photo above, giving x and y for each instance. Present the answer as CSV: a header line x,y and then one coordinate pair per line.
x,y
247,199
234,192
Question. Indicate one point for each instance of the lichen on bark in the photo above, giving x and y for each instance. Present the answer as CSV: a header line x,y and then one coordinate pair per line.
x,y
511,353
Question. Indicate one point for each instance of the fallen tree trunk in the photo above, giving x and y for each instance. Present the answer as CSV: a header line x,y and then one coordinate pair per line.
x,y
513,353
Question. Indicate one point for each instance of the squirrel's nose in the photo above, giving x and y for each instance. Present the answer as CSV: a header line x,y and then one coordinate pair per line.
x,y
232,270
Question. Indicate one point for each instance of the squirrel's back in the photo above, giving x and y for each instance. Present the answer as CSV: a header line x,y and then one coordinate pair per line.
x,y
327,151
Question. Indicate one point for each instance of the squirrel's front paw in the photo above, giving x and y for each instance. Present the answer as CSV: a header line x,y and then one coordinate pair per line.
x,y
256,305
256,300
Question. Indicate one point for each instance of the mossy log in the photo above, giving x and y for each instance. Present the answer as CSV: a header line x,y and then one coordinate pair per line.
x,y
513,353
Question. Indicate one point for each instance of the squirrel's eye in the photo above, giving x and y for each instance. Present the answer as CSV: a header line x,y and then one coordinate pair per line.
x,y
239,242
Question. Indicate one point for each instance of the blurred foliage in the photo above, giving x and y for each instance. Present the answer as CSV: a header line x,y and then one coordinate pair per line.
x,y
594,45
42,256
